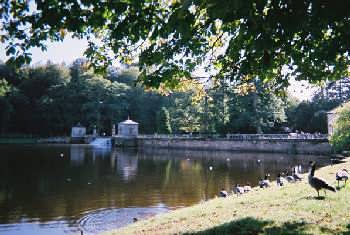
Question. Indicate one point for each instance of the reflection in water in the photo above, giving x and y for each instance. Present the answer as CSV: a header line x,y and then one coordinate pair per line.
x,y
44,193
77,155
127,164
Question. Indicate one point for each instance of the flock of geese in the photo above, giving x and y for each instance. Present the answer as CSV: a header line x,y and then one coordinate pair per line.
x,y
314,181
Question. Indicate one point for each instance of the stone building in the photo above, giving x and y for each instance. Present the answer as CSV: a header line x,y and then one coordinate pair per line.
x,y
78,131
128,128
78,134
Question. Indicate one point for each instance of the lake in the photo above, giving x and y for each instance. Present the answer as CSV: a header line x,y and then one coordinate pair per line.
x,y
63,189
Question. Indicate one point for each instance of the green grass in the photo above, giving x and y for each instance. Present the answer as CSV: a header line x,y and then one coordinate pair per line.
x,y
292,209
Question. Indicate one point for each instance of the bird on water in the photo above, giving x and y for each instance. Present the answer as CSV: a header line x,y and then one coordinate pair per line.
x,y
316,182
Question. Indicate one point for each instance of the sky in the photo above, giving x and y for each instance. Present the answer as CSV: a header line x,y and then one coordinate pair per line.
x,y
72,48
58,52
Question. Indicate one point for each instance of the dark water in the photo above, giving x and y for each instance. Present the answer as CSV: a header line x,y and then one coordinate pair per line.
x,y
96,189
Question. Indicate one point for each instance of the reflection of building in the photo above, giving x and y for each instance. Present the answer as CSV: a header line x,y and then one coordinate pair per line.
x,y
77,155
128,128
127,165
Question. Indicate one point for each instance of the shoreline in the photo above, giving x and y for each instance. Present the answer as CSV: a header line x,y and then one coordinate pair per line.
x,y
275,210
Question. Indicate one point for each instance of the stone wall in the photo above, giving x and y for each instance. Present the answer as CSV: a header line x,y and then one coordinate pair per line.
x,y
295,146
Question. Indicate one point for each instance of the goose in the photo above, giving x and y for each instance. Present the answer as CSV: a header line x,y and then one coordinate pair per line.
x,y
296,176
279,180
264,183
223,193
247,188
318,183
341,175
290,178
238,189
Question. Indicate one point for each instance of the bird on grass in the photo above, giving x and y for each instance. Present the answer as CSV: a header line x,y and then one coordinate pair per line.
x,y
223,193
342,175
264,183
316,182
279,180
296,176
247,188
238,189
290,178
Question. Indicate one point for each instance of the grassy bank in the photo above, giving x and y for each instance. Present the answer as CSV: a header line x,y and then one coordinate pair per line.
x,y
292,209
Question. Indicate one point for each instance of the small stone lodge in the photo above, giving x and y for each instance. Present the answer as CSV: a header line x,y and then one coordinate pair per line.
x,y
128,129
78,131
78,134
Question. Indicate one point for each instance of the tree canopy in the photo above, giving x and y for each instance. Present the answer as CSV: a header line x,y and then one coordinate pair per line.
x,y
341,136
238,39
47,100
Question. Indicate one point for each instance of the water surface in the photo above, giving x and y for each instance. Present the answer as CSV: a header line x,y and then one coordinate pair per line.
x,y
62,189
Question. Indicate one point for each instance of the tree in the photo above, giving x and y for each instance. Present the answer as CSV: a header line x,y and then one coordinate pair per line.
x,y
341,136
242,39
185,113
163,123
5,106
256,113
311,116
336,91
253,109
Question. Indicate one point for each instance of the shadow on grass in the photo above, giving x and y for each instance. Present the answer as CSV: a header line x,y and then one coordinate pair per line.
x,y
346,232
340,187
252,226
314,198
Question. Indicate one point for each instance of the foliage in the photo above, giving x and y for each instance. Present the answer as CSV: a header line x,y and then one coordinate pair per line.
x,y
252,109
338,91
185,113
341,136
256,113
49,99
4,87
310,117
163,122
241,40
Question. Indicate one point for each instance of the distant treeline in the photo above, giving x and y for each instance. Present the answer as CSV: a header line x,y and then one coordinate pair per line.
x,y
47,100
